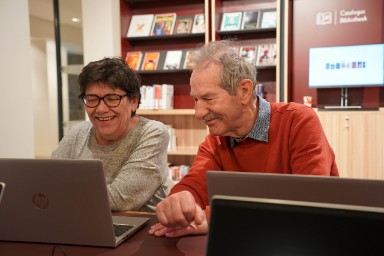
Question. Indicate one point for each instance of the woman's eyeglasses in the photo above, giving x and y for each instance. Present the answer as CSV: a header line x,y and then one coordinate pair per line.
x,y
111,100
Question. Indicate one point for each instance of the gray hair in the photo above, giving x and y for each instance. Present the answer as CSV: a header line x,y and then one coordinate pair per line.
x,y
234,68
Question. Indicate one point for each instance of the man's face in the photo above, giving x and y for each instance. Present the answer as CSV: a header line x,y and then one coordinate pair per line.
x,y
220,111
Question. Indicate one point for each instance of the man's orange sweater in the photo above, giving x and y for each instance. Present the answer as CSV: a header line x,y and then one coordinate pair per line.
x,y
296,145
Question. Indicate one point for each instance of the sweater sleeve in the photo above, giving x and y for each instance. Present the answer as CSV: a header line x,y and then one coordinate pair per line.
x,y
72,142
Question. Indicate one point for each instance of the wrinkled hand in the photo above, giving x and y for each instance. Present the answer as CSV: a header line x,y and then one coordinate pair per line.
x,y
179,215
192,229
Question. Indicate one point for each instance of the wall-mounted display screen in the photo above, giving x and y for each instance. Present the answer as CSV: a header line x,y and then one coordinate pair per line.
x,y
346,66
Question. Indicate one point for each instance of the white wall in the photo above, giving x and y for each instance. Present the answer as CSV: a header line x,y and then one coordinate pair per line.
x,y
44,83
28,104
101,29
16,101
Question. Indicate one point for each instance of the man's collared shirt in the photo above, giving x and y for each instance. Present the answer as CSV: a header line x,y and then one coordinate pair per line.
x,y
261,126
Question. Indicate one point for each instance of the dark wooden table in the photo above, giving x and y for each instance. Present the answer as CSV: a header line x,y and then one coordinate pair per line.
x,y
140,243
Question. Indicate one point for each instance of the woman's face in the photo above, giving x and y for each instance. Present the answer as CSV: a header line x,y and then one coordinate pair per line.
x,y
111,123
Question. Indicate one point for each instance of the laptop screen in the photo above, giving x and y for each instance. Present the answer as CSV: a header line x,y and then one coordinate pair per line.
x,y
250,226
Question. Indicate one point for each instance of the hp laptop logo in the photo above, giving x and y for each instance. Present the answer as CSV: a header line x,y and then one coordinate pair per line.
x,y
40,201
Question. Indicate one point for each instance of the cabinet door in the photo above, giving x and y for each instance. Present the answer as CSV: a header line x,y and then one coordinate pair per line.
x,y
336,127
357,140
366,140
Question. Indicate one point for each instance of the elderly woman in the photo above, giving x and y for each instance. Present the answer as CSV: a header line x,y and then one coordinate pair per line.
x,y
133,149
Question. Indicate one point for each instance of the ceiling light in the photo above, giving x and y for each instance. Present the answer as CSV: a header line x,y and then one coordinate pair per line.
x,y
75,20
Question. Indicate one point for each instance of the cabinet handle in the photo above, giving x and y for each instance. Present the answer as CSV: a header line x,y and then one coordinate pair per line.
x,y
346,121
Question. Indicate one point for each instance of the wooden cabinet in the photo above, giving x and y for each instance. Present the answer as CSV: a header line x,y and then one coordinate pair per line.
x,y
358,141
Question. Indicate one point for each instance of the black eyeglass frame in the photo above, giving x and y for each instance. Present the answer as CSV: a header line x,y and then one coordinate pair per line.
x,y
103,98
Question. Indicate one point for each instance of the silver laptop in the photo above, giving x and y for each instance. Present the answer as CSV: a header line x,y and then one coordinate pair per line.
x,y
325,189
60,201
254,226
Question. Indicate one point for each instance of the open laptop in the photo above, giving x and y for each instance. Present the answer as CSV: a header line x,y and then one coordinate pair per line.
x,y
263,227
60,201
324,189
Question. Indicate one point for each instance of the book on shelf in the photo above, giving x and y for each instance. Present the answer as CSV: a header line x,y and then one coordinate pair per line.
x,y
250,20
249,53
188,59
150,61
198,23
157,96
147,97
133,59
268,19
172,60
172,138
140,25
163,24
266,55
231,21
167,96
183,25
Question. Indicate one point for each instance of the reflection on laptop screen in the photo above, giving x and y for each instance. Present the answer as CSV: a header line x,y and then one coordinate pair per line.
x,y
250,226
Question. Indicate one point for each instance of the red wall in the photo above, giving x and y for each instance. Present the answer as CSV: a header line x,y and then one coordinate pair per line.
x,y
305,33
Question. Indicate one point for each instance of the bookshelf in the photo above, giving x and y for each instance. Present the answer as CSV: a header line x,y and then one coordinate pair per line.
x,y
267,74
189,131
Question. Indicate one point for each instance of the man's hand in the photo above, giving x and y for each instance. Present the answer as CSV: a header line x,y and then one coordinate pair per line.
x,y
179,210
179,215
193,229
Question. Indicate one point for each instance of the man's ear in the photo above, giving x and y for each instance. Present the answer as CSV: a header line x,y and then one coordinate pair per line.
x,y
246,90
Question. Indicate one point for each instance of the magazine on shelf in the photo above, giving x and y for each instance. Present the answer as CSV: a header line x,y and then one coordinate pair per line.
x,y
133,59
183,25
268,19
163,24
150,61
249,53
231,21
266,55
198,23
140,25
188,59
172,60
250,20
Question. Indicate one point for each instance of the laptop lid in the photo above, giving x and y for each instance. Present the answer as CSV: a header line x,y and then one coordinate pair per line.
x,y
326,189
59,201
252,226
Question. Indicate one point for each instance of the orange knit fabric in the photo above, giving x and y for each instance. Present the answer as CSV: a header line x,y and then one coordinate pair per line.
x,y
296,145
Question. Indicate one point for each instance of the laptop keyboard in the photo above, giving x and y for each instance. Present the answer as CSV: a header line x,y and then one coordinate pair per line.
x,y
121,229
